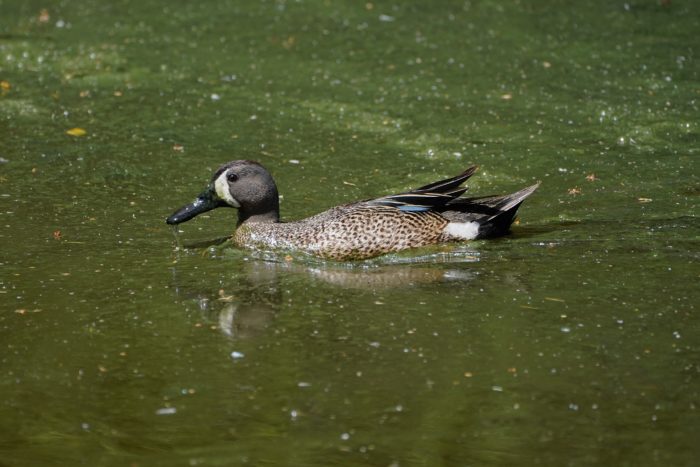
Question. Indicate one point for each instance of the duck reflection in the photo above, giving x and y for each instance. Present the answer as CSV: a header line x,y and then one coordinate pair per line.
x,y
245,302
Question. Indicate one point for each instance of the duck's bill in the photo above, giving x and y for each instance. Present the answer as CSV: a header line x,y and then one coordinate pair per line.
x,y
204,202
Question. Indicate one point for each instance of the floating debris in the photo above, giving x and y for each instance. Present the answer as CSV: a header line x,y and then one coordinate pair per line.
x,y
44,16
76,132
554,299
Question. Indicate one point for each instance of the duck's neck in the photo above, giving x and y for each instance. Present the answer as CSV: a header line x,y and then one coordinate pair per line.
x,y
254,218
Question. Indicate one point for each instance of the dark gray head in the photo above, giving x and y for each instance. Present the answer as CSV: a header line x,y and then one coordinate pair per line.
x,y
245,185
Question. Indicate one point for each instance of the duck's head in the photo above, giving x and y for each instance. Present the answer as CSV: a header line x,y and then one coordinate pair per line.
x,y
244,185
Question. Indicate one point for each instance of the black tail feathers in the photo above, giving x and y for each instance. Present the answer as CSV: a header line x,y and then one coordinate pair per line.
x,y
495,214
499,223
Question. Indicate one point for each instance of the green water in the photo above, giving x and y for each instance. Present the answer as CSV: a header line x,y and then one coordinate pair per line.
x,y
574,341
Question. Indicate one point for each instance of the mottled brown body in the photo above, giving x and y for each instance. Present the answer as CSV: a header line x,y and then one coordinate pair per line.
x,y
352,231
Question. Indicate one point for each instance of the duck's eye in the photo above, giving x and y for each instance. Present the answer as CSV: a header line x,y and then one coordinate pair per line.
x,y
232,177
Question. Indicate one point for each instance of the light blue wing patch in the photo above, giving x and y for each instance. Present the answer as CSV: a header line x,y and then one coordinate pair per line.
x,y
413,208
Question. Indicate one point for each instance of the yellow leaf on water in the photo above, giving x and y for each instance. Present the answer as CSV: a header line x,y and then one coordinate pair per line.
x,y
76,132
5,85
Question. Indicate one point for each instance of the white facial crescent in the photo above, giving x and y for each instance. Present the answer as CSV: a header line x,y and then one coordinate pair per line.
x,y
221,187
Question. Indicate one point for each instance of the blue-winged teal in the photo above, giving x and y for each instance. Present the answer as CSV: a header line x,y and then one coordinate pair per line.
x,y
431,214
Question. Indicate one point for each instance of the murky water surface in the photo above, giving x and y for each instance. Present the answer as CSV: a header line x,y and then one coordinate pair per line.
x,y
575,341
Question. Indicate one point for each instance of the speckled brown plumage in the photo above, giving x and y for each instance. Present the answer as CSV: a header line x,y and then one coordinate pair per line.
x,y
431,214
353,231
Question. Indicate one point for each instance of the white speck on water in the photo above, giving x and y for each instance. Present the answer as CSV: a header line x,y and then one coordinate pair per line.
x,y
386,18
345,436
565,329
399,408
253,117
497,388
293,414
374,344
676,334
166,411
60,23
303,384
85,426
236,355
573,406
215,97
294,161
562,170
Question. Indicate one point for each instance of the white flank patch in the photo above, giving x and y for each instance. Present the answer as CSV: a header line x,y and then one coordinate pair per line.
x,y
462,230
221,187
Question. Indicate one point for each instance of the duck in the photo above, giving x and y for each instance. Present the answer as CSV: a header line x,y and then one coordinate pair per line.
x,y
431,214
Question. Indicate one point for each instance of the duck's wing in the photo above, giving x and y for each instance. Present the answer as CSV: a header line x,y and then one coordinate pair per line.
x,y
433,196
485,208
